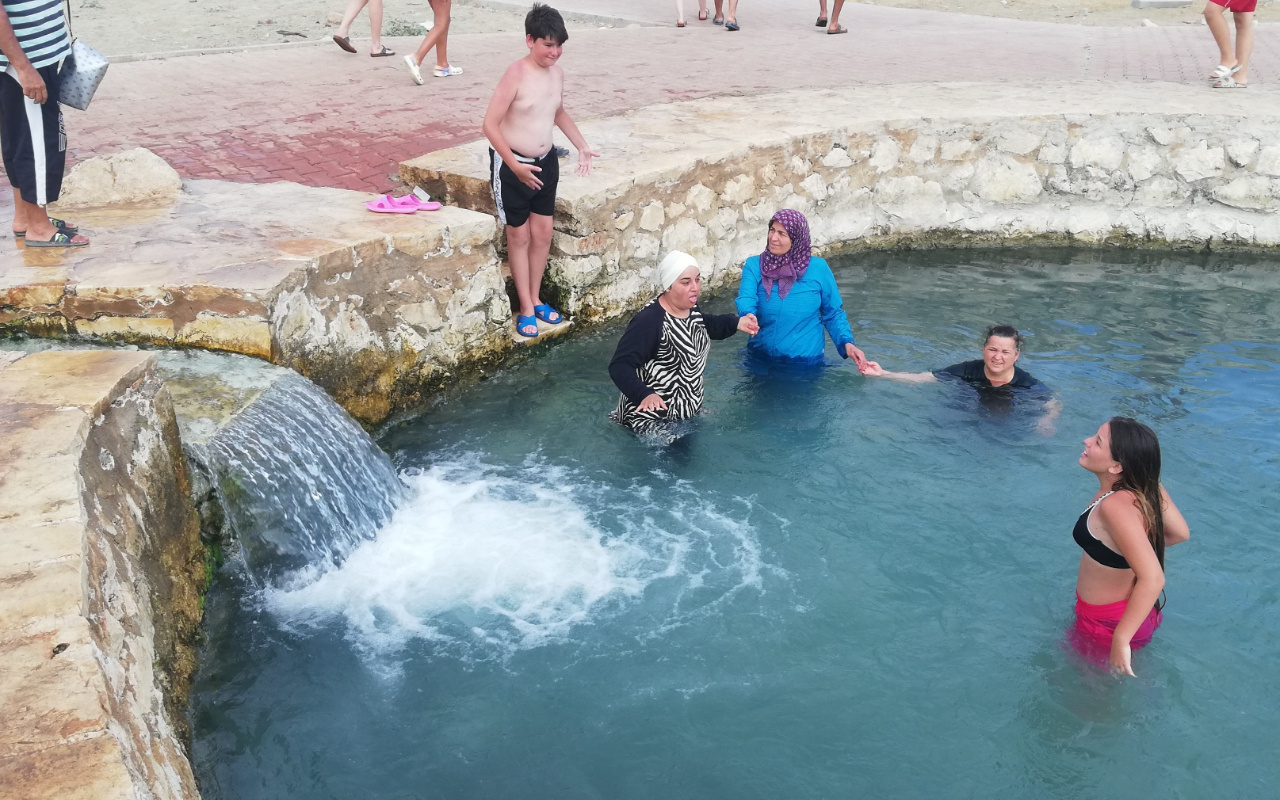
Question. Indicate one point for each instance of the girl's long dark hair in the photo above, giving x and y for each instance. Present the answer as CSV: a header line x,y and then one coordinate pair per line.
x,y
1137,449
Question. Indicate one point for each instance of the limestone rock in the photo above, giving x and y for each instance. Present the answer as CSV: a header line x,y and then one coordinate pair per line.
x,y
700,198
651,216
1104,151
915,202
1018,141
738,191
838,158
1199,162
1053,154
623,219
133,176
884,155
956,149
1162,136
1143,162
686,235
922,149
1253,192
1269,160
1006,180
1241,151
815,186
1159,192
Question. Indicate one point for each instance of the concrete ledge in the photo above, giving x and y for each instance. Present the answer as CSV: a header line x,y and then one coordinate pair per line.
x,y
100,573
1154,164
377,309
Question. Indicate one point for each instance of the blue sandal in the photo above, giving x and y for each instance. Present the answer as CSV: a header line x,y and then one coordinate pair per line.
x,y
545,313
523,323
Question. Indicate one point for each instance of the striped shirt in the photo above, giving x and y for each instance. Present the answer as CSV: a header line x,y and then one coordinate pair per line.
x,y
41,29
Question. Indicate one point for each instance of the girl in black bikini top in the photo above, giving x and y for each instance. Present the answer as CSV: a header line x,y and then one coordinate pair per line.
x,y
1091,545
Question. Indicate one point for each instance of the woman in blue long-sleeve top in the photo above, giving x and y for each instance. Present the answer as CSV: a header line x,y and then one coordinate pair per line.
x,y
794,296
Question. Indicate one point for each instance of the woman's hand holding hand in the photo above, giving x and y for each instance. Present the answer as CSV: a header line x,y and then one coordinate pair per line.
x,y
872,369
859,357
1122,657
748,324
652,403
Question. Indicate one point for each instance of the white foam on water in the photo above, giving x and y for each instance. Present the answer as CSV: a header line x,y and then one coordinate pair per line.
x,y
484,562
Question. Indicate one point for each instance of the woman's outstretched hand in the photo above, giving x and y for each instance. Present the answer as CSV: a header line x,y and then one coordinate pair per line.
x,y
859,357
872,369
748,324
652,403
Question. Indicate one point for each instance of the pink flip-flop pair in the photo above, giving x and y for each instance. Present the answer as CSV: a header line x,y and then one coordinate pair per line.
x,y
409,204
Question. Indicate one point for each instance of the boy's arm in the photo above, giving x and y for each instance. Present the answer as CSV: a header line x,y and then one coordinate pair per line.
x,y
499,104
565,123
30,80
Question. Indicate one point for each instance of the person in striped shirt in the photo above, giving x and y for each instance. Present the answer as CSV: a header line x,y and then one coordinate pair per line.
x,y
33,43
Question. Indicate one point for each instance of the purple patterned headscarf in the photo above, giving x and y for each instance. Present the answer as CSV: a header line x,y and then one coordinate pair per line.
x,y
789,267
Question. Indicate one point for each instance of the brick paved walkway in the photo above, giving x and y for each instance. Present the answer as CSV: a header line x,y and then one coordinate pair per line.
x,y
321,117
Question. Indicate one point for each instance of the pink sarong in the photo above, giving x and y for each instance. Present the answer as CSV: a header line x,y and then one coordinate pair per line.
x,y
1095,625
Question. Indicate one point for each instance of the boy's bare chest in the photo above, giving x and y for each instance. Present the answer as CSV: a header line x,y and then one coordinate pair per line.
x,y
539,93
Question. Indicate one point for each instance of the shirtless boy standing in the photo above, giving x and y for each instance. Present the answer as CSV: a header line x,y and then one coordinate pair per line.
x,y
524,171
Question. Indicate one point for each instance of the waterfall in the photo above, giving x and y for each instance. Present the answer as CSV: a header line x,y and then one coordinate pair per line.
x,y
300,482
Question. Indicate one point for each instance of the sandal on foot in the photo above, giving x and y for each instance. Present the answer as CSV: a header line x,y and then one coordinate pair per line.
x,y
838,29
702,16
717,21
524,323
1229,83
383,53
344,42
1223,71
59,239
415,69
680,23
445,72
545,313
821,23
387,205
60,224
732,26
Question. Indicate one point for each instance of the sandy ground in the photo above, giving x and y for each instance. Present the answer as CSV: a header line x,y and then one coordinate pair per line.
x,y
131,27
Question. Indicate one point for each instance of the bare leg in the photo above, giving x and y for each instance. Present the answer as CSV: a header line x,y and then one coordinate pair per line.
x,y
680,12
1221,33
822,9
719,10
834,22
733,11
352,10
1244,45
375,25
702,9
539,249
518,259
439,35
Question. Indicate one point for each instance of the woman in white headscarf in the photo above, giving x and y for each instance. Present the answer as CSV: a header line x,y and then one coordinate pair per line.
x,y
659,361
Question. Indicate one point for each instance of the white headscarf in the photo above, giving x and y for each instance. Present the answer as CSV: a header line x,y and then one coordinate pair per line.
x,y
672,267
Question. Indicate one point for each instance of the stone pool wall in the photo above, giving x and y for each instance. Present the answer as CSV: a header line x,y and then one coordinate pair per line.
x,y
705,177
100,574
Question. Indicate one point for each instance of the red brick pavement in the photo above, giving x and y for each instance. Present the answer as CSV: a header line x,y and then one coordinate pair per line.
x,y
321,117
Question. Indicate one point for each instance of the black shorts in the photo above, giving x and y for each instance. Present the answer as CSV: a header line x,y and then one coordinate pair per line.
x,y
516,201
33,139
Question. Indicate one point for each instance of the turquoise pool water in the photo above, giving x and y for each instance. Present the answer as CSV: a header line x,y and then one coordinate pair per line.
x,y
834,587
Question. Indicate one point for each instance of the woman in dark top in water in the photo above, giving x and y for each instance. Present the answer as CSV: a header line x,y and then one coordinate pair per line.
x,y
1123,533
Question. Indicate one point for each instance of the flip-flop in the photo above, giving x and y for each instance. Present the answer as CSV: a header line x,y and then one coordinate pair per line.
x,y
386,205
679,24
522,323
717,21
60,224
702,16
383,53
839,29
344,42
414,202
821,23
544,312
732,26
1223,72
59,240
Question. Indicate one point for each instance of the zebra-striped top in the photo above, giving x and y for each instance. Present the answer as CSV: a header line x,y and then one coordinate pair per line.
x,y
665,355
41,29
